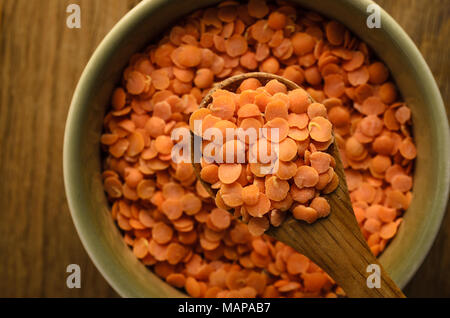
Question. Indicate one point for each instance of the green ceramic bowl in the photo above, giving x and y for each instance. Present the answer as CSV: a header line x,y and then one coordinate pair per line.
x,y
145,23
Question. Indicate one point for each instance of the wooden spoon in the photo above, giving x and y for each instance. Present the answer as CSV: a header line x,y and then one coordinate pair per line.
x,y
334,243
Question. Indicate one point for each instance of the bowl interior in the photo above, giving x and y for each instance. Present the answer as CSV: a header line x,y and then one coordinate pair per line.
x,y
145,23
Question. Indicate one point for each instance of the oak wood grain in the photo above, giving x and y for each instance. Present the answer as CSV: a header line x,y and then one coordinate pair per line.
x,y
41,61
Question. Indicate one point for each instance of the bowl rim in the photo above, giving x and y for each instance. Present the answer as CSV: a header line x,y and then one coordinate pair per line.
x,y
138,13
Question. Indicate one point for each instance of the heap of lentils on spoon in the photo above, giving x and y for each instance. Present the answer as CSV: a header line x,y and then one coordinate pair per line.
x,y
279,137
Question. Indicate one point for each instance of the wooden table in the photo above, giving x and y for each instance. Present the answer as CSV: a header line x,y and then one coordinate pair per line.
x,y
40,63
